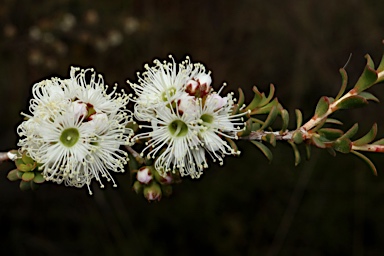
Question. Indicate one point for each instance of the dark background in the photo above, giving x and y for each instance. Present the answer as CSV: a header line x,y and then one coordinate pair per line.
x,y
325,206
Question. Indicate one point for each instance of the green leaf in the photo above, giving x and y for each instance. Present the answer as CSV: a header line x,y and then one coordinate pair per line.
x,y
241,98
264,149
331,151
255,101
265,101
367,161
322,106
367,138
379,142
368,96
247,130
318,142
295,152
232,144
344,82
333,121
330,133
285,118
38,178
28,176
265,109
308,151
271,118
299,118
12,175
343,145
354,101
367,78
351,132
270,138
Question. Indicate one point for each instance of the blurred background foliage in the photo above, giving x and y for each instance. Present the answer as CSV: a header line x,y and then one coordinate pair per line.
x,y
325,206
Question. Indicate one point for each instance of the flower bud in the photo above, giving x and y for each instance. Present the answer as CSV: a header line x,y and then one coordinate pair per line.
x,y
164,180
144,174
80,108
204,81
217,101
191,87
152,192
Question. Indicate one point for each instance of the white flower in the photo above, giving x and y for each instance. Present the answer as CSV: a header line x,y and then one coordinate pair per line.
x,y
162,83
174,141
76,128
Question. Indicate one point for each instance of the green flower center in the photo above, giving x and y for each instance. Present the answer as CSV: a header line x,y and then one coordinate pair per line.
x,y
178,128
168,93
207,118
69,137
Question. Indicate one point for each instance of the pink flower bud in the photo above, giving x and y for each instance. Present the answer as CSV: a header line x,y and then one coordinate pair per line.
x,y
217,101
80,108
191,87
144,175
152,192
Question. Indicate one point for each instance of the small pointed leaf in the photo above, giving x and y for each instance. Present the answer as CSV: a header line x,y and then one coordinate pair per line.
x,y
333,121
344,82
368,96
379,142
240,101
322,106
367,161
367,138
299,118
330,133
270,138
296,153
264,149
256,100
367,78
270,119
351,132
318,142
297,137
265,101
285,117
354,101
265,109
331,151
308,151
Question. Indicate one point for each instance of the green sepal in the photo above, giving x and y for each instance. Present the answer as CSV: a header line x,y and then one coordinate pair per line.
x,y
285,118
26,167
333,121
295,152
270,138
369,96
343,145
12,175
25,185
367,138
38,178
271,118
26,159
297,137
137,187
344,82
299,118
330,133
28,176
368,77
256,99
366,160
264,149
318,142
351,132
322,106
354,101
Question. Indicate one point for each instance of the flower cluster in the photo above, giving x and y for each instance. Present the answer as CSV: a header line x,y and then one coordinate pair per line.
x,y
76,128
184,117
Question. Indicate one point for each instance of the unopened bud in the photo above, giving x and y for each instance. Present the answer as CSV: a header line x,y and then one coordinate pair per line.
x,y
164,179
145,174
137,187
152,192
